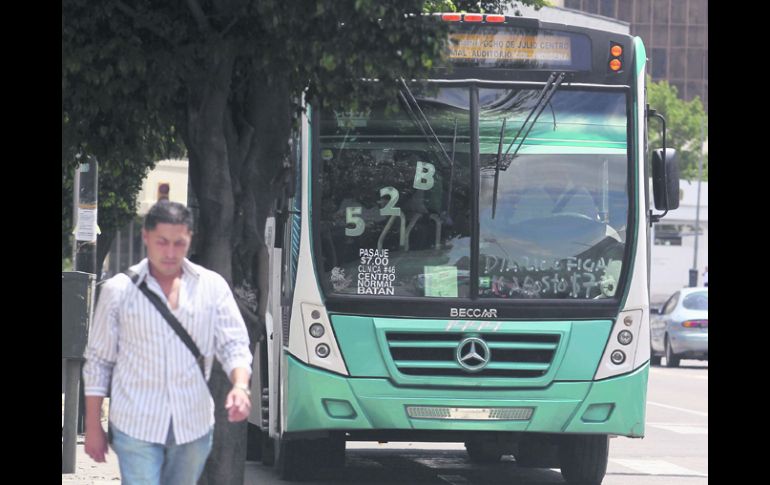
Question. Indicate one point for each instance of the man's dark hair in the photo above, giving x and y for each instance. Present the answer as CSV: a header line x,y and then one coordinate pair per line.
x,y
165,211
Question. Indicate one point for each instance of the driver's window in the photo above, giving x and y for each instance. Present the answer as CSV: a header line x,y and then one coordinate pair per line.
x,y
577,201
671,304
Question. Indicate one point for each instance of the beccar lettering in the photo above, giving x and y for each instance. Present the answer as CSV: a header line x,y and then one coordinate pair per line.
x,y
473,313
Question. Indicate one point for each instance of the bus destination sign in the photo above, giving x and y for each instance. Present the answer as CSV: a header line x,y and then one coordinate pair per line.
x,y
519,48
505,46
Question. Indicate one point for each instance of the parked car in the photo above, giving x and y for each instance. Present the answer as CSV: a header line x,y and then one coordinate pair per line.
x,y
680,329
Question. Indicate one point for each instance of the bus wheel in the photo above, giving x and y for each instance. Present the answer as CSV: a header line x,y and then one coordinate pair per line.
x,y
336,450
480,451
294,462
584,458
268,450
671,359
654,359
253,442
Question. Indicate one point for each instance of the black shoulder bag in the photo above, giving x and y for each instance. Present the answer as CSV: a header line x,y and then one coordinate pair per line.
x,y
171,319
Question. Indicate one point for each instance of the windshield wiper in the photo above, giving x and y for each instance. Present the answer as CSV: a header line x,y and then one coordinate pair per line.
x,y
451,174
432,138
543,99
497,168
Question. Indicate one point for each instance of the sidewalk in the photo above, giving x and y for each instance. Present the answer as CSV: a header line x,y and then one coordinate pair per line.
x,y
87,471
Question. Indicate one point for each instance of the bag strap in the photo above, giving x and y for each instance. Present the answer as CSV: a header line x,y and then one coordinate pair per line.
x,y
170,318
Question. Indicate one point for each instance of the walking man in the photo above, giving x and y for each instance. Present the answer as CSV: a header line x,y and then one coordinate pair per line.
x,y
161,411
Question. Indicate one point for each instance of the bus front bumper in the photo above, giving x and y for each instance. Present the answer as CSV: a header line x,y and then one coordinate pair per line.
x,y
319,400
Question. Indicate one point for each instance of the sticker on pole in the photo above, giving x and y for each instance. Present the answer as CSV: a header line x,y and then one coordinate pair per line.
x,y
86,230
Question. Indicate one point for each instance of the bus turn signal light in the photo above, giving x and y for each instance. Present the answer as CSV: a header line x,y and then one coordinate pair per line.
x,y
615,65
616,50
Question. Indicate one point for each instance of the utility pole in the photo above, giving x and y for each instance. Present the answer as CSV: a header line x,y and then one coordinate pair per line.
x,y
694,270
86,231
84,260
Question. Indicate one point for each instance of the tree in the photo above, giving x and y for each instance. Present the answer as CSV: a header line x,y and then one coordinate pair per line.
x,y
107,112
683,126
228,77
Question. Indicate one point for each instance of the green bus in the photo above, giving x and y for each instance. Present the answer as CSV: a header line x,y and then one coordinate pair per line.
x,y
473,265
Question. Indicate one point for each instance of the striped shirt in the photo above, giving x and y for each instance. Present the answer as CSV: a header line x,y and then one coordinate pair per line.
x,y
135,356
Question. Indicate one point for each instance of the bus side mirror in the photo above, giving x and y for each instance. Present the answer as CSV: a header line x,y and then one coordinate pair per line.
x,y
665,179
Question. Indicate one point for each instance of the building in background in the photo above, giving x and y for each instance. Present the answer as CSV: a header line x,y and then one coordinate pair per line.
x,y
675,33
673,248
167,180
559,15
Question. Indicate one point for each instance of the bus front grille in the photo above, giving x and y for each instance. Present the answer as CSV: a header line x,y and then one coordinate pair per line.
x,y
509,355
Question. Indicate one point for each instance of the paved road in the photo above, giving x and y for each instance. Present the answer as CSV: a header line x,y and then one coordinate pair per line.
x,y
674,451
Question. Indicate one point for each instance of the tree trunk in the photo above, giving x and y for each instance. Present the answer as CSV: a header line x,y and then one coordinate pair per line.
x,y
103,244
210,179
235,151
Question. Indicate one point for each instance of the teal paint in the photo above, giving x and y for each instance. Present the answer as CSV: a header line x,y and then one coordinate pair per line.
x,y
358,343
641,54
365,349
379,404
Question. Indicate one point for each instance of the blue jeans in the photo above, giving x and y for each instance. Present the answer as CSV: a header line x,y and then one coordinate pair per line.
x,y
145,463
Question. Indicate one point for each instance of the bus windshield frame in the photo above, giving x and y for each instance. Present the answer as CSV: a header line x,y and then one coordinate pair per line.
x,y
453,146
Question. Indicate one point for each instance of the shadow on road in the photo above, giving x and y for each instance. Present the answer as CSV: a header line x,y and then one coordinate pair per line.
x,y
384,467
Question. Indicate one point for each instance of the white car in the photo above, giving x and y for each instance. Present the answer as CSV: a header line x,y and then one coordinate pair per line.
x,y
680,330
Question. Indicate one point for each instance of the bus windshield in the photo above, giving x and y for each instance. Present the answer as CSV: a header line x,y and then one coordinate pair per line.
x,y
396,201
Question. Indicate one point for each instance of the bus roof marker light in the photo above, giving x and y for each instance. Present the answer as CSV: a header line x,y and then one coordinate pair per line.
x,y
495,18
451,17
473,17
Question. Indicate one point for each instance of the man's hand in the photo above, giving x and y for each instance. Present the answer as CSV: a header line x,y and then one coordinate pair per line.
x,y
238,405
96,443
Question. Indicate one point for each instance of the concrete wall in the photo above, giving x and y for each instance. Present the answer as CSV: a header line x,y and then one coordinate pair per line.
x,y
172,172
671,263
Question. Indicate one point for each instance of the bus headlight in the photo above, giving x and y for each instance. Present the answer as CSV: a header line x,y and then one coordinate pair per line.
x,y
625,337
322,350
317,330
318,340
628,346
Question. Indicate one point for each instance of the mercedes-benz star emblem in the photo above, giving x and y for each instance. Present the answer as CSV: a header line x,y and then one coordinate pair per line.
x,y
472,354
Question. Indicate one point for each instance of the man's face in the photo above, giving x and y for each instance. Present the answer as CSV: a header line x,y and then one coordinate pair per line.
x,y
167,246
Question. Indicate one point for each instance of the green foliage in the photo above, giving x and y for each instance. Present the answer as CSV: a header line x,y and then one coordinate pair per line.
x,y
138,75
683,127
111,109
129,70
